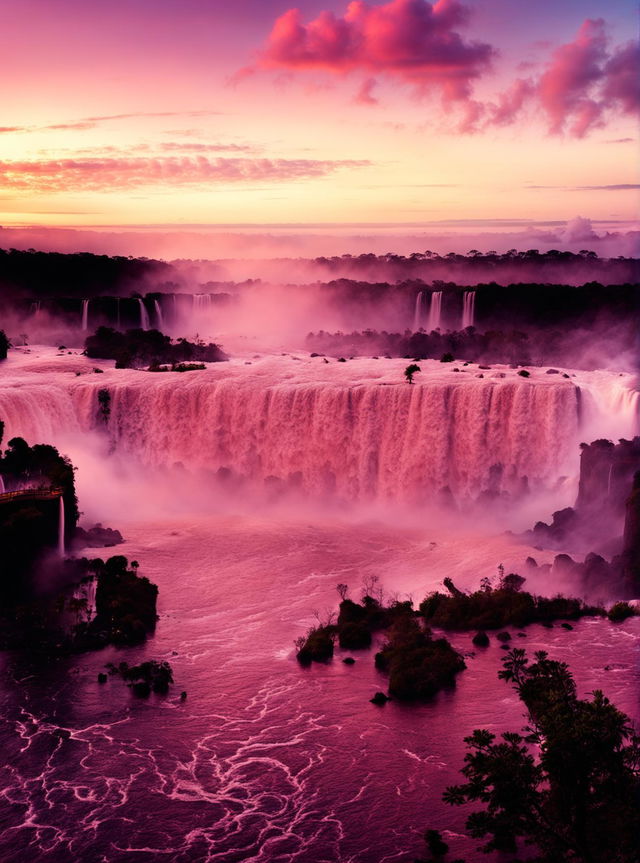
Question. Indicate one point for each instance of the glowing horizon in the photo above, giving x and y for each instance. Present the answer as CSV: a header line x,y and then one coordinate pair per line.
x,y
396,113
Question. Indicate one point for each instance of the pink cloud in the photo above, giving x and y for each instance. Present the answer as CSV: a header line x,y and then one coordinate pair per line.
x,y
511,102
365,96
622,78
411,40
570,77
108,174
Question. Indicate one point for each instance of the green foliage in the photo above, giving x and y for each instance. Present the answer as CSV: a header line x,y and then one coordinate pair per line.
x,y
29,527
410,371
150,676
620,611
316,646
418,666
142,348
125,602
569,786
495,609
5,344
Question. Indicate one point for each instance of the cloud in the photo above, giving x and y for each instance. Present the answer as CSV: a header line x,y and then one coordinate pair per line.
x,y
410,40
109,174
583,85
565,87
622,78
198,147
91,122
365,96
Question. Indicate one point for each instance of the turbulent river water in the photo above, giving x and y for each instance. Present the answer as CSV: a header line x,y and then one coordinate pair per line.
x,y
263,761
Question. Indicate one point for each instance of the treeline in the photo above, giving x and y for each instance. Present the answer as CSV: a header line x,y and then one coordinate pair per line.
x,y
138,348
29,527
53,274
541,347
551,266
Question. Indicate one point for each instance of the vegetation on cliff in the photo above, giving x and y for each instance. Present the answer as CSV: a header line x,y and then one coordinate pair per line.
x,y
139,348
568,786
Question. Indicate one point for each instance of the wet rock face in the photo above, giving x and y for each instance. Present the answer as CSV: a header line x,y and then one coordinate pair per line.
x,y
631,541
606,474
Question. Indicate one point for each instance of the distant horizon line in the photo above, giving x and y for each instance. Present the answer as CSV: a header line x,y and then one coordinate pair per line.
x,y
503,222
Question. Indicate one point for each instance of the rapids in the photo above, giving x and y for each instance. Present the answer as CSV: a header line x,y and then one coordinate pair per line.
x,y
264,761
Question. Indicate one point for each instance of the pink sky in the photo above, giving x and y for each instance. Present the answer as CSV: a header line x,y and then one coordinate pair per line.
x,y
198,112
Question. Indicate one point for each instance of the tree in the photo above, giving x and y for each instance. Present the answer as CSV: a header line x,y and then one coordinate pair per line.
x,y
5,344
569,786
410,371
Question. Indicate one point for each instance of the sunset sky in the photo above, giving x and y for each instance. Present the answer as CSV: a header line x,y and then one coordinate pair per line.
x,y
163,112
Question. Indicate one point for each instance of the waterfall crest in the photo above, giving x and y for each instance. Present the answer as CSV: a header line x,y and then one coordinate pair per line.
x,y
468,309
435,310
159,319
417,314
145,324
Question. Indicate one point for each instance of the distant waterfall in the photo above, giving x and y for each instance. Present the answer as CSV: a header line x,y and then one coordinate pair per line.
x,y
35,308
468,309
118,313
435,310
144,316
85,315
61,528
159,318
417,315
2,487
201,302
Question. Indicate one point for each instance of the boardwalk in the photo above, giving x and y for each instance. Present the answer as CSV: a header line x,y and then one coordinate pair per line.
x,y
31,494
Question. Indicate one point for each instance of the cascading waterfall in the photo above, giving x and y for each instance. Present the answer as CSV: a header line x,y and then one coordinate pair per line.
x,y
435,310
85,315
201,303
145,324
417,315
468,309
35,308
2,485
61,527
365,440
159,318
615,401
361,442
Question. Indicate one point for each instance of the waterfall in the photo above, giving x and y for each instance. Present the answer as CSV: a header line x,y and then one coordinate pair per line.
x,y
468,309
61,528
369,439
2,486
417,315
158,311
35,308
85,315
435,310
144,316
201,302
617,401
118,313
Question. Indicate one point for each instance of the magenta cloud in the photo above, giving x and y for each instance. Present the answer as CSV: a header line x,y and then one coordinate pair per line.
x,y
583,84
109,174
411,40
